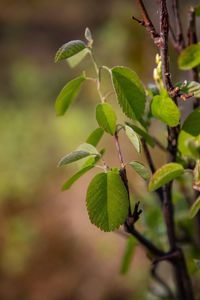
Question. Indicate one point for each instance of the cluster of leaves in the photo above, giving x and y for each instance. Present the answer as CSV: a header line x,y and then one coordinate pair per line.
x,y
108,199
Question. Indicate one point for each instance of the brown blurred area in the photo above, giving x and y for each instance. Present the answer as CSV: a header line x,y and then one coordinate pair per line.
x,y
48,248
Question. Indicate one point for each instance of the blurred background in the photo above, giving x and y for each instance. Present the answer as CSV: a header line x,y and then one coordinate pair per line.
x,y
48,248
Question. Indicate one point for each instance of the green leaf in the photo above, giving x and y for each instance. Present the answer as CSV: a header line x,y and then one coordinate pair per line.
x,y
68,94
165,174
106,117
191,87
69,49
143,134
197,11
107,201
95,137
82,151
134,138
140,169
189,57
164,109
195,208
77,58
75,177
192,123
128,255
130,92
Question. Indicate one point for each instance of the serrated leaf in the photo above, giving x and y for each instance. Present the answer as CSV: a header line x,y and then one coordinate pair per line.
x,y
107,201
134,138
95,136
165,174
69,49
82,151
77,58
75,177
164,109
192,123
190,87
128,255
189,57
140,169
195,208
130,92
143,134
106,117
68,94
88,35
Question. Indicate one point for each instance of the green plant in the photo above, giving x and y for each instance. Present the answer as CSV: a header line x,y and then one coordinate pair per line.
x,y
108,200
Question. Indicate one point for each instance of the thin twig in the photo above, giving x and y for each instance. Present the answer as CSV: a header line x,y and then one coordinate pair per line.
x,y
161,281
178,24
192,39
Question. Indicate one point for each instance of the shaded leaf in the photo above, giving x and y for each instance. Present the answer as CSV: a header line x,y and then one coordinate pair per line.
x,y
128,255
134,138
140,169
197,11
68,94
95,136
82,151
107,201
75,177
195,208
192,123
106,117
189,57
165,174
130,92
69,49
164,109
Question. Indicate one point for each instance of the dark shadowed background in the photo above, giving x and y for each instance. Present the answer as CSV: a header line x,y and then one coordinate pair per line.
x,y
48,248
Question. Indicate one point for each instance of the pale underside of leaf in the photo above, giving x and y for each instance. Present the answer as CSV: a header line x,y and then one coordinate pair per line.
x,y
140,169
134,138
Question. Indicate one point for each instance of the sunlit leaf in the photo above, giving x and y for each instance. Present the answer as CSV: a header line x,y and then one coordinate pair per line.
x,y
69,49
130,92
140,169
128,255
88,35
106,117
68,94
165,174
164,109
107,201
134,138
189,57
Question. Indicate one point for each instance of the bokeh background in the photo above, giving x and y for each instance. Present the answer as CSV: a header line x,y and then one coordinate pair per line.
x,y
48,248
